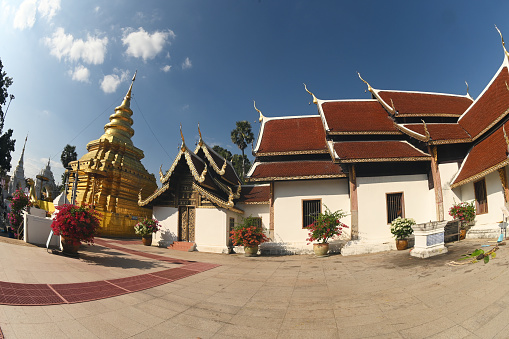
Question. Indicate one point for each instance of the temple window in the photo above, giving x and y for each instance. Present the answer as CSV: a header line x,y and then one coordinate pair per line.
x,y
481,198
395,206
310,208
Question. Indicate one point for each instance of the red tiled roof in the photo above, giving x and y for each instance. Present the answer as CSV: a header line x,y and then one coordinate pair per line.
x,y
489,107
251,194
367,151
440,131
287,170
425,104
357,116
293,135
485,157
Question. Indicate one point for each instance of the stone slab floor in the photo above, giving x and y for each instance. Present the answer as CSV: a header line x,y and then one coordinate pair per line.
x,y
385,295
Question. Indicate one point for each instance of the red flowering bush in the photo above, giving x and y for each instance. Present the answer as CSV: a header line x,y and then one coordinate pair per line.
x,y
326,226
248,233
19,203
76,223
463,211
146,227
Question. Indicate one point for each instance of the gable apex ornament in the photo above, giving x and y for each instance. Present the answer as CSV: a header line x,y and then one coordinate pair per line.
x,y
364,81
260,119
503,43
506,139
183,147
315,100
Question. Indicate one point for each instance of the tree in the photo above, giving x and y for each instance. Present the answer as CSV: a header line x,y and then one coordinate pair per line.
x,y
68,154
242,136
223,152
238,164
6,141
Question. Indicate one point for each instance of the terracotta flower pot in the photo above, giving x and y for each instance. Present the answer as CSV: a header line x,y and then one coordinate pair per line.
x,y
251,251
70,246
463,233
321,249
147,240
401,244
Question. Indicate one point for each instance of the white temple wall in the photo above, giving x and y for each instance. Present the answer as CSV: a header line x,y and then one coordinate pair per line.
x,y
211,229
418,201
289,235
486,225
168,217
257,211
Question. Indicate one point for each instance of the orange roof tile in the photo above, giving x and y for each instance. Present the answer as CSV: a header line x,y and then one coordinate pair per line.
x,y
288,170
377,151
254,194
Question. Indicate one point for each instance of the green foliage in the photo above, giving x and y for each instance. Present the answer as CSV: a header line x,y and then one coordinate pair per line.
x,y
146,227
242,136
6,141
223,152
402,227
326,225
238,163
479,254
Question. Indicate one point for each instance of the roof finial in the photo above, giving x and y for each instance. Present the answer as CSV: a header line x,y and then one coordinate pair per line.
x,y
23,151
182,136
426,133
369,86
503,43
49,160
315,100
200,142
260,119
468,94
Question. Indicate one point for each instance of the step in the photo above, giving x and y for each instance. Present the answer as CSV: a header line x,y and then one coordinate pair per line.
x,y
184,246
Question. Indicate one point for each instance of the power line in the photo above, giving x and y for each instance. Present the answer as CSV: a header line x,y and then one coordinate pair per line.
x,y
155,137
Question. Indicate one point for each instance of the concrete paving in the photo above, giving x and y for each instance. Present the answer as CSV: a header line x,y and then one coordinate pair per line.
x,y
385,295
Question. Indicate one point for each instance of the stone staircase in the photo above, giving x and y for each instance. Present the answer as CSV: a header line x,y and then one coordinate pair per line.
x,y
184,246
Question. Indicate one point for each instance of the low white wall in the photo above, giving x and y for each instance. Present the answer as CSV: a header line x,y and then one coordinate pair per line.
x,y
168,217
288,195
419,203
37,230
211,230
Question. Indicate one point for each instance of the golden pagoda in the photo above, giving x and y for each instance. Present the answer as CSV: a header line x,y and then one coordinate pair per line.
x,y
111,174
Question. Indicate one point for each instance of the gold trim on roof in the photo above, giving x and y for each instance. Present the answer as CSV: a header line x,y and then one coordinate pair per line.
x,y
503,43
426,133
417,115
302,177
200,142
450,141
226,205
424,158
255,202
364,81
491,125
184,151
154,195
264,154
315,100
366,133
481,174
410,132
205,150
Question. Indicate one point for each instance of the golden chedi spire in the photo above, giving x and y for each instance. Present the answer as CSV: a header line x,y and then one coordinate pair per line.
x,y
120,123
111,174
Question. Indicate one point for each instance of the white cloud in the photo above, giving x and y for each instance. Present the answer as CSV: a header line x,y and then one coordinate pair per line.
x,y
65,46
80,73
48,8
187,64
141,44
167,55
166,68
6,11
110,82
97,9
25,15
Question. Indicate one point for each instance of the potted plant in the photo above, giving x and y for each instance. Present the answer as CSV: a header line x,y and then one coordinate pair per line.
x,y
464,212
249,233
19,203
325,226
145,228
402,228
75,224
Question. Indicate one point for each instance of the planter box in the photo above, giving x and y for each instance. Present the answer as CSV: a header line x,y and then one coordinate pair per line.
x,y
429,239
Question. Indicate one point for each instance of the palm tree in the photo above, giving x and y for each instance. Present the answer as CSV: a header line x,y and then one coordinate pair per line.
x,y
242,136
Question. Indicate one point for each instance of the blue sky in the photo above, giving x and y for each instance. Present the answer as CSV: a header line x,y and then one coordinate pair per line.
x,y
205,61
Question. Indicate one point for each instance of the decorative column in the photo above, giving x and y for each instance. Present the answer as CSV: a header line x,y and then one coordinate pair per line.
x,y
503,179
437,182
354,204
271,221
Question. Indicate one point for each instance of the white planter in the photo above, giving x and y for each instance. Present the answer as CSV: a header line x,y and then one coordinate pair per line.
x,y
429,239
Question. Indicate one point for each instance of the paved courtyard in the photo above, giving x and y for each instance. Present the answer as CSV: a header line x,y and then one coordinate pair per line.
x,y
385,295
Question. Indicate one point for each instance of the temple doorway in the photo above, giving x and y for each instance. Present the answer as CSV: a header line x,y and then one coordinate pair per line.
x,y
186,223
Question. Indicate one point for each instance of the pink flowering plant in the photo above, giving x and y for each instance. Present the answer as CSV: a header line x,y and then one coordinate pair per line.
x,y
19,203
463,211
248,233
146,227
326,226
77,223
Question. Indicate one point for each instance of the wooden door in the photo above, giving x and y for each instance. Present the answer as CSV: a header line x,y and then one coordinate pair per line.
x,y
186,223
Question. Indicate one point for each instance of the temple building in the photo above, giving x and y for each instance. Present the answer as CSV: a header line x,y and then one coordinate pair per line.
x,y
17,180
399,153
111,174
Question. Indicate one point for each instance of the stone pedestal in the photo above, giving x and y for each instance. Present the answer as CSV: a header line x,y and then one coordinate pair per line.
x,y
429,239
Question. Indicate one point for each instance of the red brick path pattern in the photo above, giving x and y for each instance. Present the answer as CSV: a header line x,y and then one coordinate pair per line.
x,y
53,294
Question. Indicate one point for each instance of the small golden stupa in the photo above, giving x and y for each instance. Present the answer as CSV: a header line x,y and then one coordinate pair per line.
x,y
111,175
